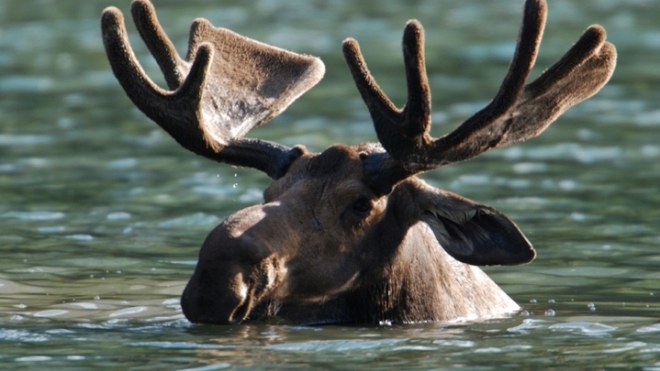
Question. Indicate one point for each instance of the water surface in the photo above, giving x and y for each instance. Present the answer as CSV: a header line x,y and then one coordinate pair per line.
x,y
102,214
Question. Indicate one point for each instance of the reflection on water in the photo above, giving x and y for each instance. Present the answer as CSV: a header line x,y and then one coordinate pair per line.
x,y
102,214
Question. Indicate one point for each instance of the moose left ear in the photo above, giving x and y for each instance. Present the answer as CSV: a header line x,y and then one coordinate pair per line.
x,y
475,234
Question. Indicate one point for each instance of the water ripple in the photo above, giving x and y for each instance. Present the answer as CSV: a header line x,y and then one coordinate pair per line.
x,y
588,328
129,311
51,313
213,367
24,140
528,324
565,151
26,84
651,328
455,343
34,359
21,336
336,345
80,237
178,345
32,215
193,220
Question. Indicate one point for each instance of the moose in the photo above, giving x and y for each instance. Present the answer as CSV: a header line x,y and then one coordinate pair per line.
x,y
350,235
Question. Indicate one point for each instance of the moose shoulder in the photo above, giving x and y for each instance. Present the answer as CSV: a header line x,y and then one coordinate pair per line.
x,y
351,234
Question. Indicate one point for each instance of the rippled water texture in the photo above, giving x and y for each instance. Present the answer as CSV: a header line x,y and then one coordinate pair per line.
x,y
102,214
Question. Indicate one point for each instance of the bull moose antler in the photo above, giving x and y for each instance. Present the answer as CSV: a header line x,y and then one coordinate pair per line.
x,y
227,85
517,112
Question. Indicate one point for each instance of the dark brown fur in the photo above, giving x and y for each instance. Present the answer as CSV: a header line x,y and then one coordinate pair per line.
x,y
332,264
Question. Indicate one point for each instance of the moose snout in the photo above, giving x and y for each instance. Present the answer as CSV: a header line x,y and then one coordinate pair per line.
x,y
237,269
219,300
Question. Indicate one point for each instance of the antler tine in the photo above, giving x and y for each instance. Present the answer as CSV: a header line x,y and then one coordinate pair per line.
x,y
397,129
379,105
161,47
124,64
591,58
227,85
529,39
417,110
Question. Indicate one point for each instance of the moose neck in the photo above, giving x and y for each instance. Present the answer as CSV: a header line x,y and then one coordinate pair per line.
x,y
453,291
413,280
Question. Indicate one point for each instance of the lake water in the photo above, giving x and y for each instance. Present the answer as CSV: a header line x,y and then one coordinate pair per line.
x,y
102,214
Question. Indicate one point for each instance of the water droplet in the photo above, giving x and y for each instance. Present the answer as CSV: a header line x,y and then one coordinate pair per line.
x,y
235,185
551,301
550,313
525,313
97,297
533,301
592,307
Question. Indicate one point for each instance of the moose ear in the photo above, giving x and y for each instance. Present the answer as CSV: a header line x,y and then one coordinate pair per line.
x,y
473,233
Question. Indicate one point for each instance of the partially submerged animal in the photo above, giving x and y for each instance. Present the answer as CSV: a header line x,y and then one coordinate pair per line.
x,y
351,234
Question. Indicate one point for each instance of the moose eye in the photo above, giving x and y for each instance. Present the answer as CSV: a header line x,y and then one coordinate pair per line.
x,y
362,206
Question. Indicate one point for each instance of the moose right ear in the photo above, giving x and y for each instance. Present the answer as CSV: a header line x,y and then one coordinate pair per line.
x,y
474,233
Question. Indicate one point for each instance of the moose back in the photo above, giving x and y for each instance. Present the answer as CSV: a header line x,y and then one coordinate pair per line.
x,y
351,234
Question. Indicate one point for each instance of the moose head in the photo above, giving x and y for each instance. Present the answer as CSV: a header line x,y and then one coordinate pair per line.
x,y
351,234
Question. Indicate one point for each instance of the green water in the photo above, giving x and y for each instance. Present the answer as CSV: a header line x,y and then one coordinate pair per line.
x,y
102,214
